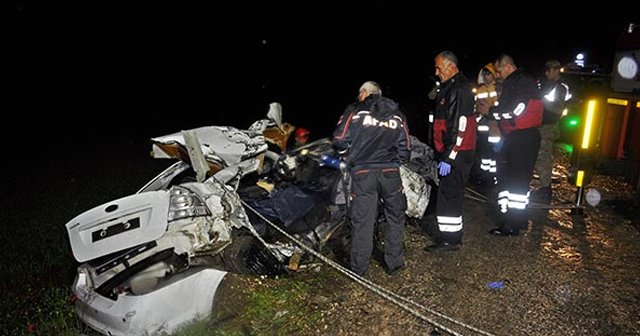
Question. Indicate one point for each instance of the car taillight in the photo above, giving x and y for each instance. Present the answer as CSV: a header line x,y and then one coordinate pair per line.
x,y
184,203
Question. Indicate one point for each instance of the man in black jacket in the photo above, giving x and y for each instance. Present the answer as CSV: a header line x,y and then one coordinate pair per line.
x,y
374,135
519,111
454,138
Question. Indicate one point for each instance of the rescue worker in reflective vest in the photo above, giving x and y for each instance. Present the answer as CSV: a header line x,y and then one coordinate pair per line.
x,y
375,136
454,137
488,130
519,111
555,94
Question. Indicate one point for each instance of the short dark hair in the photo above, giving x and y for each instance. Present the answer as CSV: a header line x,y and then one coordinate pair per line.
x,y
506,59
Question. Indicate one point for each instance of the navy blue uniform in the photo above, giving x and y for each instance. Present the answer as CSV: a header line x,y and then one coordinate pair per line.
x,y
374,135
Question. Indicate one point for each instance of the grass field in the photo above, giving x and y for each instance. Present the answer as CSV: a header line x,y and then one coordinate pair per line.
x,y
40,193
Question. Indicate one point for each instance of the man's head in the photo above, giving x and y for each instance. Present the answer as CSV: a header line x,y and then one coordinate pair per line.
x,y
446,64
505,65
368,88
552,69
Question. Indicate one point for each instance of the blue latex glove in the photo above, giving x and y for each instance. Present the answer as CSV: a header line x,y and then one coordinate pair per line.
x,y
497,146
445,168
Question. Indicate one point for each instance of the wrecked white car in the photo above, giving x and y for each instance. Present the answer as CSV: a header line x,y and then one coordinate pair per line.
x,y
152,261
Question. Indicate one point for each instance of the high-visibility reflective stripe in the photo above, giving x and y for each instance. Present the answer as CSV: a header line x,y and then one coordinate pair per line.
x,y
502,202
453,155
458,141
518,197
567,95
506,116
488,165
450,227
462,126
449,219
483,128
449,224
507,200
551,96
494,139
517,205
431,118
496,116
491,168
519,109
484,95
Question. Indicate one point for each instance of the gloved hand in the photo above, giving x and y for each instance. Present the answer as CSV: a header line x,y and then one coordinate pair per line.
x,y
445,168
497,146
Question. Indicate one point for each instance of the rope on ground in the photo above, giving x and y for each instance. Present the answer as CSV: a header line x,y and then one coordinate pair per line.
x,y
381,291
477,196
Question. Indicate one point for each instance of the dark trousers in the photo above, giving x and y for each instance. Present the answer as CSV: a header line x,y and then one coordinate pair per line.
x,y
485,160
515,169
368,187
450,202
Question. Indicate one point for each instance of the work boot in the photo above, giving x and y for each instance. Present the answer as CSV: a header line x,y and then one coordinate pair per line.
x,y
395,270
442,247
504,232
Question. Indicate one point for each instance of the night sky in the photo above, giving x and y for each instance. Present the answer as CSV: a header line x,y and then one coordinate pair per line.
x,y
143,70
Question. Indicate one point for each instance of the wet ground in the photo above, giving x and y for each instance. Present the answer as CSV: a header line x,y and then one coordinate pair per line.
x,y
568,274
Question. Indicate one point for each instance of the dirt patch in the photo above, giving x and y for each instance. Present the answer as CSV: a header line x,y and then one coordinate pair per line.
x,y
567,274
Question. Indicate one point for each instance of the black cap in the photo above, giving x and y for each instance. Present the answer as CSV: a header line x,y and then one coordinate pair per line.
x,y
552,64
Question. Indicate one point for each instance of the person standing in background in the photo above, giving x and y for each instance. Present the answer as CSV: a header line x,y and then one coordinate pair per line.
x,y
555,94
488,130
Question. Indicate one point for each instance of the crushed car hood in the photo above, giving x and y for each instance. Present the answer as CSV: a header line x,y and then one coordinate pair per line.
x,y
223,145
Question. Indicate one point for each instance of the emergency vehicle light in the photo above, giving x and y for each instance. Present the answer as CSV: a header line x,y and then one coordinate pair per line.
x,y
573,121
620,102
591,110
